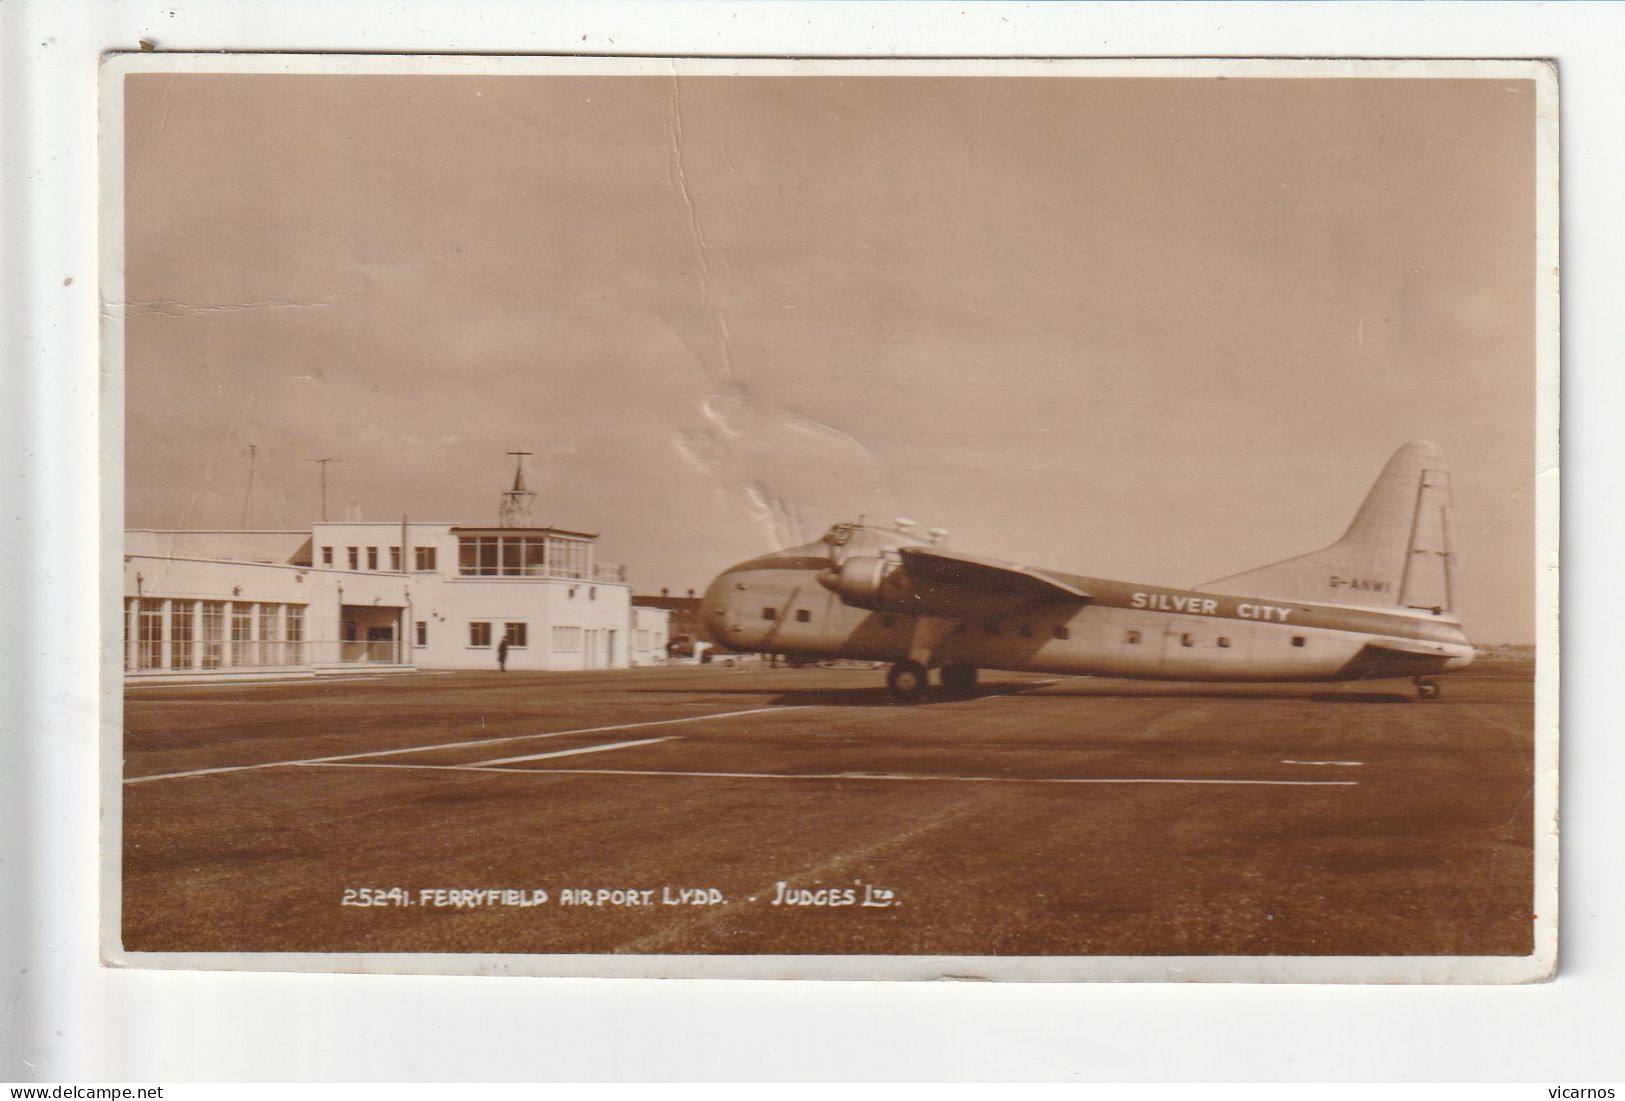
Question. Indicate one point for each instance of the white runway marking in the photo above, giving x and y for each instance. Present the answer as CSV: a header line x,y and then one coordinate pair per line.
x,y
1340,764
458,745
886,776
569,752
305,681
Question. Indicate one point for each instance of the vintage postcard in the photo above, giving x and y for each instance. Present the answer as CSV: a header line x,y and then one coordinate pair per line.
x,y
1028,520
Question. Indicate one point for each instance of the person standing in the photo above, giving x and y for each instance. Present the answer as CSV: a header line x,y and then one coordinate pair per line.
x,y
502,655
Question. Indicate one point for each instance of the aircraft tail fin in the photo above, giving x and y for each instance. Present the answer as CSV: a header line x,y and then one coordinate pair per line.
x,y
1396,553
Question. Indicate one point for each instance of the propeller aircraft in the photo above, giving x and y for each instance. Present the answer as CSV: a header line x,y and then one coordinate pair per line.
x,y
1375,604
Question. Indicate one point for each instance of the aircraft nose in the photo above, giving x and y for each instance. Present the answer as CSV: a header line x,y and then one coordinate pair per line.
x,y
714,610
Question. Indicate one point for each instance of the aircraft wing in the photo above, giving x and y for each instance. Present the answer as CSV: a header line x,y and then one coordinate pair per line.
x,y
987,575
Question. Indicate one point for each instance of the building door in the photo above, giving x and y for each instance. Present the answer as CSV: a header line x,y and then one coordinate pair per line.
x,y
609,649
381,643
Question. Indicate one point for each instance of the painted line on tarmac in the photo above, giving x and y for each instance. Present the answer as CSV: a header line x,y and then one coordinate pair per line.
x,y
570,752
1339,764
459,745
285,682
883,776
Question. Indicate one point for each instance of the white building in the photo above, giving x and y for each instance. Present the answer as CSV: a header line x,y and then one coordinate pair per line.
x,y
383,595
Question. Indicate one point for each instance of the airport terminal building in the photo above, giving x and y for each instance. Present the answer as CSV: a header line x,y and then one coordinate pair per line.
x,y
349,595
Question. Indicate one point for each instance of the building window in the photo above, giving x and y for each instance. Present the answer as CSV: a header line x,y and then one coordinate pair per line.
x,y
180,634
327,556
294,629
479,634
1224,642
568,557
268,633
770,613
566,640
242,633
803,615
214,633
524,556
424,558
372,558
1132,638
518,635
1297,640
150,653
421,638
395,559
1063,632
355,558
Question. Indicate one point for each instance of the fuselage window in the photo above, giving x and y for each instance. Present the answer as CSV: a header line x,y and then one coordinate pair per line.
x,y
1224,642
1132,638
1063,632
1187,640
769,613
803,615
1297,640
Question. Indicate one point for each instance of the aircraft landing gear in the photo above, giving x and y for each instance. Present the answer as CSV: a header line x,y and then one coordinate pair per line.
x,y
908,682
959,679
1426,688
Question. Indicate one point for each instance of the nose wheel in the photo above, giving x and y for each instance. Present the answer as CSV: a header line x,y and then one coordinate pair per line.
x,y
907,681
1426,688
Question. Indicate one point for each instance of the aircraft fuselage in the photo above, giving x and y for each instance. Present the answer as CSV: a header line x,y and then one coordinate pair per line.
x,y
776,605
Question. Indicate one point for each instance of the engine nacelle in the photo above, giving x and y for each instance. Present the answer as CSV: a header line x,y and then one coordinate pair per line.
x,y
868,581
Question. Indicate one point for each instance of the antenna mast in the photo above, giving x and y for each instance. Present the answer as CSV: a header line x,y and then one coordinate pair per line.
x,y
248,494
323,464
516,502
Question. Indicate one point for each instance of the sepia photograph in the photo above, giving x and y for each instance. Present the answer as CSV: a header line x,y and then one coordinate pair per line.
x,y
671,517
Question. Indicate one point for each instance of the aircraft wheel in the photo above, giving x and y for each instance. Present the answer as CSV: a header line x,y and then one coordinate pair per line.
x,y
1427,689
959,679
908,682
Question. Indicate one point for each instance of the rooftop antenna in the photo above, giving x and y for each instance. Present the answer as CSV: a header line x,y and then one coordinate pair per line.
x,y
248,494
517,502
323,463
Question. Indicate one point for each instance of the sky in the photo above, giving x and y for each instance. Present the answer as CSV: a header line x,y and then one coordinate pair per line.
x,y
1159,330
